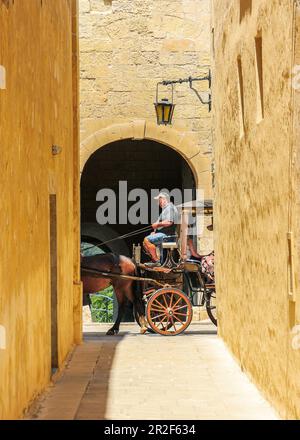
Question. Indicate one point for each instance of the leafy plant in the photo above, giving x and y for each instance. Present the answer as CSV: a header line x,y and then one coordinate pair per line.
x,y
102,306
102,303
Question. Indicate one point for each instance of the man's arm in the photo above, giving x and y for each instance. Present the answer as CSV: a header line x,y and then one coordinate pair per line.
x,y
168,218
162,224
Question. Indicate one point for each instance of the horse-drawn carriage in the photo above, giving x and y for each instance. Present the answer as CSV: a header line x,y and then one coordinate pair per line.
x,y
169,291
181,283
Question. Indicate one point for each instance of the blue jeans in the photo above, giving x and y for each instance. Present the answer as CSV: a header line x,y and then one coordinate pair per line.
x,y
157,238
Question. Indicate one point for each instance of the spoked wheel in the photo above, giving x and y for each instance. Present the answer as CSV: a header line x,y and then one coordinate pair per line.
x,y
169,312
211,306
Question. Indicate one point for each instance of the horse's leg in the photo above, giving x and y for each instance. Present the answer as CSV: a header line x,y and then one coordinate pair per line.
x,y
138,302
140,310
135,297
121,298
132,290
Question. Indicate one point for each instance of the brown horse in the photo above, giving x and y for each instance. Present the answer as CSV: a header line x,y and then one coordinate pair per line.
x,y
125,289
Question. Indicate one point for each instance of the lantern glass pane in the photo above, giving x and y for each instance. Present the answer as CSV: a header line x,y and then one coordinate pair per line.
x,y
164,112
159,113
167,112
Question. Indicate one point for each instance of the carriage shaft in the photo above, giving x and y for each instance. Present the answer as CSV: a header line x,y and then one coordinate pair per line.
x,y
100,274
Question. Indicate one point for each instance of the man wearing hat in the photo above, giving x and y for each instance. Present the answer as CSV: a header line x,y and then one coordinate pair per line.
x,y
165,226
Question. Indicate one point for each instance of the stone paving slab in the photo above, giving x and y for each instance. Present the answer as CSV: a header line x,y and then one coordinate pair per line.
x,y
133,376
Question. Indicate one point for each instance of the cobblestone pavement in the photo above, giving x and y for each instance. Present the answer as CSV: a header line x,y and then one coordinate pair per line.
x,y
133,376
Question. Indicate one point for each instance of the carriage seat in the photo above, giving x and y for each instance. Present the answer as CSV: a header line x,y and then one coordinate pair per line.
x,y
169,245
170,239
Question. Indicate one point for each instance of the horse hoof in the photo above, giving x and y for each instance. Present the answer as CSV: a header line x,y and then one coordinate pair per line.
x,y
143,330
112,332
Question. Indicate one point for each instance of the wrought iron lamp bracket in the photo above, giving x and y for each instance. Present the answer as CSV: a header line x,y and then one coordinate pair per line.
x,y
190,80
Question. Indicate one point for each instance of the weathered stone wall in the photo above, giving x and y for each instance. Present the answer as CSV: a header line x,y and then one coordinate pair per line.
x,y
254,204
126,47
36,111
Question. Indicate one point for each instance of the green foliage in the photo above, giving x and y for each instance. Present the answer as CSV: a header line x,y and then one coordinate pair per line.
x,y
103,306
88,250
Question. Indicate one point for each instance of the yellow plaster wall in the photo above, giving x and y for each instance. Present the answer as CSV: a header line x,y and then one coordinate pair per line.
x,y
255,205
36,111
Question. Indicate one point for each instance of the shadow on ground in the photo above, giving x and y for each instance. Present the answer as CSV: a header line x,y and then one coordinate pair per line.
x,y
80,391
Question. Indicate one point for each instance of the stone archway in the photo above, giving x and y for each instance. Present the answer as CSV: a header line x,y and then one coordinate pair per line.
x,y
182,142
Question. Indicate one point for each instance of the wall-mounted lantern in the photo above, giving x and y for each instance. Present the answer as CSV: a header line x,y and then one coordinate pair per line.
x,y
165,109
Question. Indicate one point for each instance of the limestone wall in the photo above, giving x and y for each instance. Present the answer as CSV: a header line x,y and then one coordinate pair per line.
x,y
36,111
254,198
126,47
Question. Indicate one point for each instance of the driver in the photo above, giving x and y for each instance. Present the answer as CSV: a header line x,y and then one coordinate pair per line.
x,y
165,226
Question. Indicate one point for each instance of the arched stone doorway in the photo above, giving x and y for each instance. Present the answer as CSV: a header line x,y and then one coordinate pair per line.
x,y
143,164
180,145
183,142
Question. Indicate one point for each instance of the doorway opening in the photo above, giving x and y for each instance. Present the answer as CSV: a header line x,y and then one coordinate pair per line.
x,y
142,164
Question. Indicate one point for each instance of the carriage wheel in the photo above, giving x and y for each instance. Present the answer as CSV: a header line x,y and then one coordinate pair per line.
x,y
169,311
211,306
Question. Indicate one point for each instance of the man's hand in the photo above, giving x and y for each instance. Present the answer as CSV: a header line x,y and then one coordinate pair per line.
x,y
164,224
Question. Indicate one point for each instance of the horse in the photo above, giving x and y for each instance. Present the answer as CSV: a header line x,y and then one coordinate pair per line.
x,y
125,289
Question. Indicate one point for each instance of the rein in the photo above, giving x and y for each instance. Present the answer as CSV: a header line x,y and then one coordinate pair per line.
x,y
121,237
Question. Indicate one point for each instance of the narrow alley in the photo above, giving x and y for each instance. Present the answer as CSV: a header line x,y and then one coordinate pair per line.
x,y
140,377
